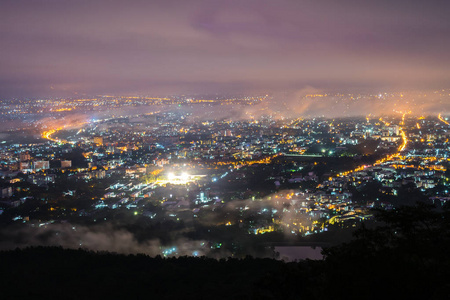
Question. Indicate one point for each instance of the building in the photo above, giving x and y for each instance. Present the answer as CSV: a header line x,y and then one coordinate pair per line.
x,y
66,164
98,140
24,156
41,165
26,166
41,180
6,192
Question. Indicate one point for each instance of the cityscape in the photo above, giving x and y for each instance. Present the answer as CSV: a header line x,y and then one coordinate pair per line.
x,y
209,149
199,177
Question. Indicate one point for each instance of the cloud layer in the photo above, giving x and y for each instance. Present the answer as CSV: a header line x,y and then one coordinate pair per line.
x,y
54,47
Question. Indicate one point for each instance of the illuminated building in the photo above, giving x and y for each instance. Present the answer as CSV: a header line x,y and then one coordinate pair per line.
x,y
98,140
41,165
66,164
24,156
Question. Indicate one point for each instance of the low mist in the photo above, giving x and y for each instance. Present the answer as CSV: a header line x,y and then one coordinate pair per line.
x,y
98,238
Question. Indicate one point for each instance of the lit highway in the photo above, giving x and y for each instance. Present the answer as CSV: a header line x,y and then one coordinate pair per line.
x,y
443,120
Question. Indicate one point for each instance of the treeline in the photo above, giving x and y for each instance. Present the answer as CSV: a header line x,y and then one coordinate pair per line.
x,y
405,257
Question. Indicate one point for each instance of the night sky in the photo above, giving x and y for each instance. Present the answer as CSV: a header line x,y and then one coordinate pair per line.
x,y
59,47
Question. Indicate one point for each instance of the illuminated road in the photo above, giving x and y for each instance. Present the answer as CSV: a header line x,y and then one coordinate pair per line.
x,y
443,120
239,164
387,158
48,135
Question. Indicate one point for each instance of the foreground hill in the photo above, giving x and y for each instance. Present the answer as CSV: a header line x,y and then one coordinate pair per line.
x,y
405,257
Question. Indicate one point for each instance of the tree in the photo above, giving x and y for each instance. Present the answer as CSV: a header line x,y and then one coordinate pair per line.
x,y
405,256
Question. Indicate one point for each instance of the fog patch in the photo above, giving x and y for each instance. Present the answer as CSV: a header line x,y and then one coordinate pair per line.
x,y
96,238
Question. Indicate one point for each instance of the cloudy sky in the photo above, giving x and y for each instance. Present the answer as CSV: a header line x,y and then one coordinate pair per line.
x,y
58,47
